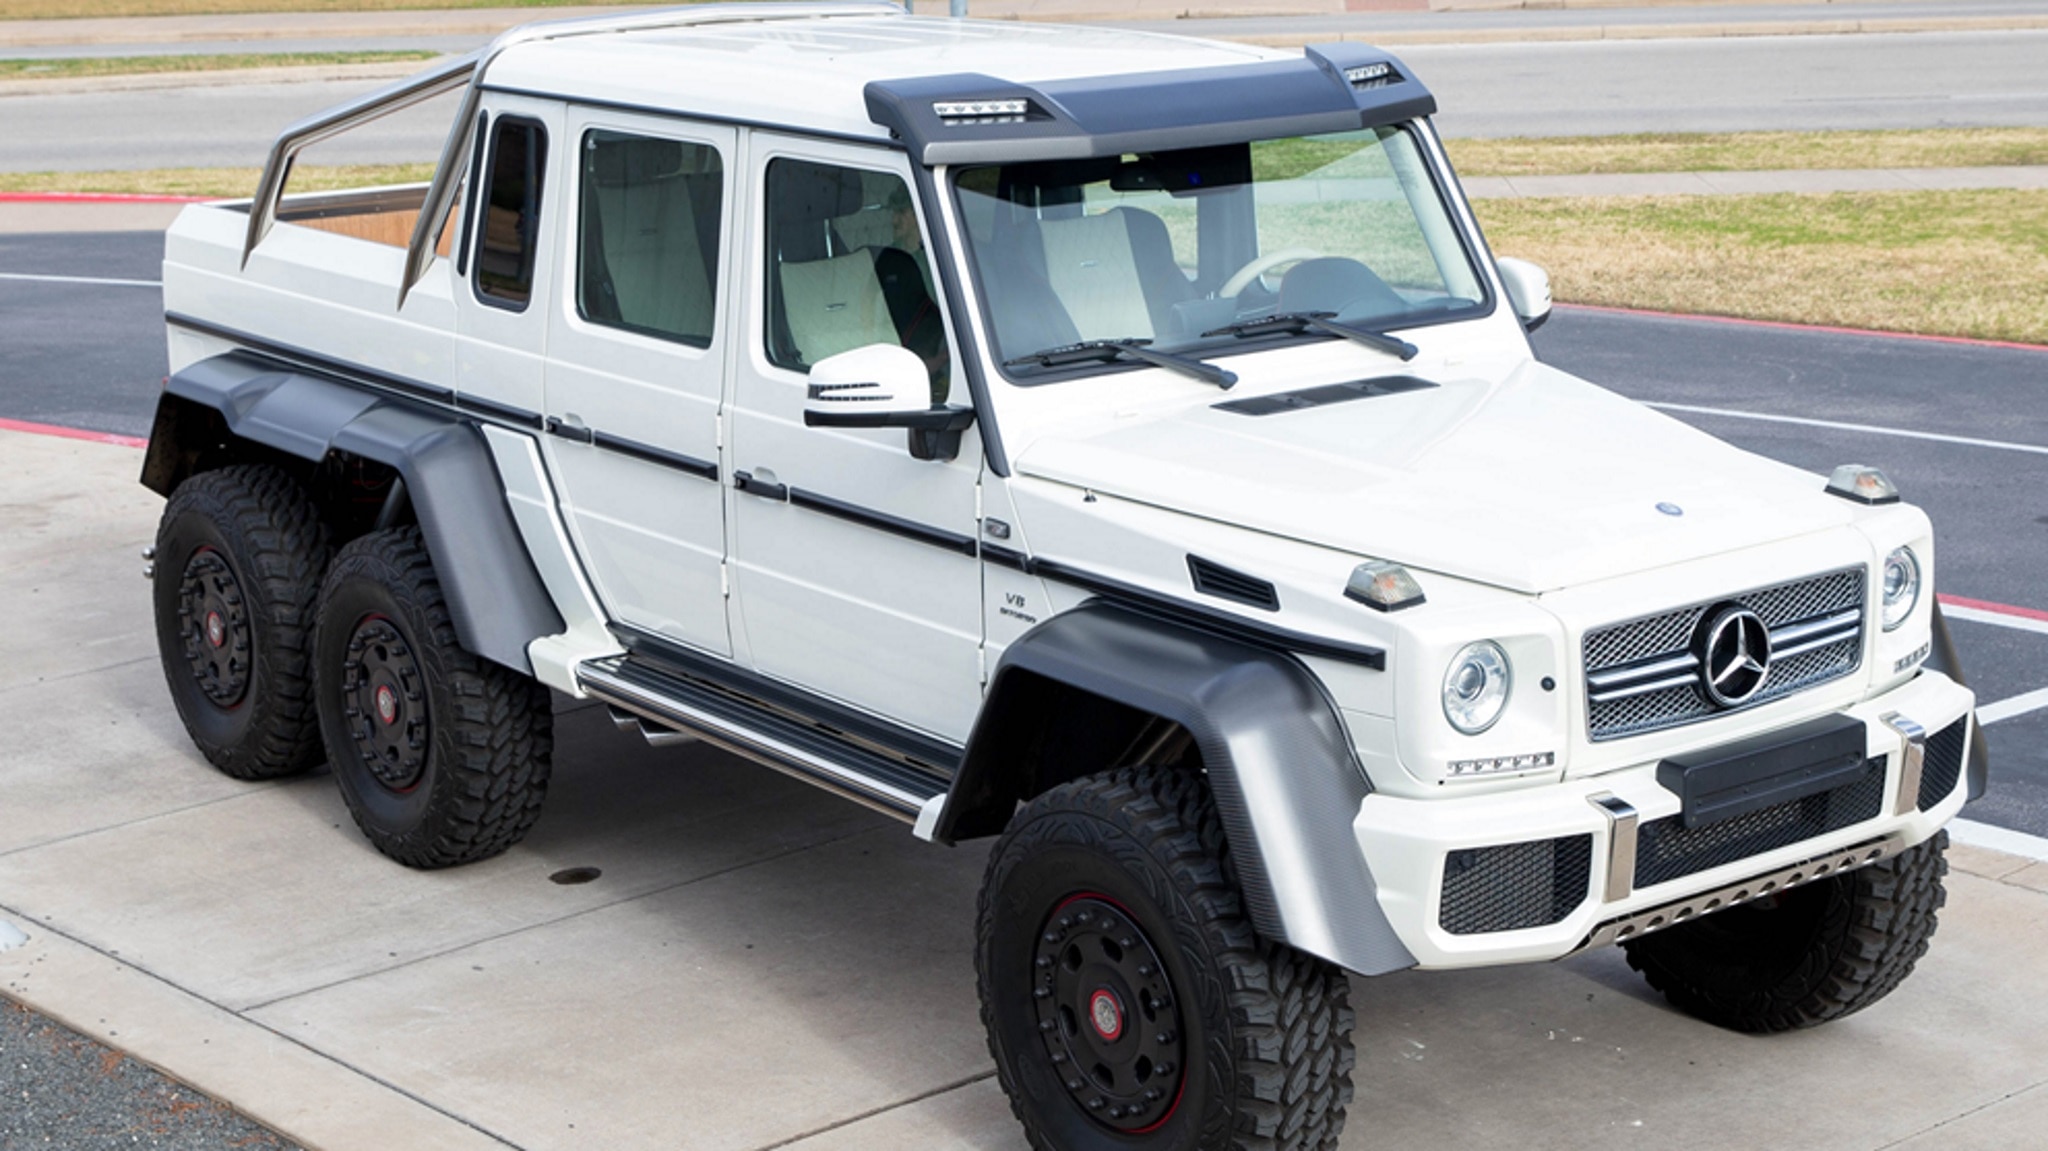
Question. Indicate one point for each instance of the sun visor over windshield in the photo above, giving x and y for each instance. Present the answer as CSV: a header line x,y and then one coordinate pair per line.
x,y
974,119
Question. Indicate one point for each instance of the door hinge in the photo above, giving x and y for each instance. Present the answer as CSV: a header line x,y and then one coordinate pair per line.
x,y
724,580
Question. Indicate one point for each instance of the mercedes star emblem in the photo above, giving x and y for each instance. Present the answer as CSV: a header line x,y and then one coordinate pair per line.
x,y
1735,655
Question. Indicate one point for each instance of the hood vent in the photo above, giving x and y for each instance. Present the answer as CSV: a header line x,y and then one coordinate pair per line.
x,y
1317,397
1219,581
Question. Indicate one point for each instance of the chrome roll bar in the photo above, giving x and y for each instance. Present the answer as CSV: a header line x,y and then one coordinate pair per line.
x,y
468,72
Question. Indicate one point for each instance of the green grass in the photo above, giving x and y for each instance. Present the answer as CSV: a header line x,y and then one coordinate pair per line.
x,y
64,9
1750,151
1962,263
69,68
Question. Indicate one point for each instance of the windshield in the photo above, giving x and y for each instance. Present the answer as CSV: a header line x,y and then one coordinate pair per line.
x,y
1199,251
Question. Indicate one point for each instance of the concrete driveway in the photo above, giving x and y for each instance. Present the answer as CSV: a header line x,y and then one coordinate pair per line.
x,y
759,965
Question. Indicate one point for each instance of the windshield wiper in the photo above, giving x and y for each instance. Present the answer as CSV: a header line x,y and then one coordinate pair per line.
x,y
1136,349
1297,322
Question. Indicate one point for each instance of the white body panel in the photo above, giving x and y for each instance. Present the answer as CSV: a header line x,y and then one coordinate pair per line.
x,y
1524,502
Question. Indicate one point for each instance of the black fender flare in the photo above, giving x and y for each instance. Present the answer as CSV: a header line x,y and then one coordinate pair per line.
x,y
495,595
1286,782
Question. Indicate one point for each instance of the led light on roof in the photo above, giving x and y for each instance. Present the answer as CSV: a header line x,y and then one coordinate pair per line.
x,y
1370,75
1864,484
1500,764
980,109
1383,586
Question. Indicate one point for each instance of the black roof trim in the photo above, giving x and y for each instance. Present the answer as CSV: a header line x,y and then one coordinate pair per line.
x,y
1150,111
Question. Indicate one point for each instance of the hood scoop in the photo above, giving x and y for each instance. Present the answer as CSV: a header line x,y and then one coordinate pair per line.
x,y
1323,396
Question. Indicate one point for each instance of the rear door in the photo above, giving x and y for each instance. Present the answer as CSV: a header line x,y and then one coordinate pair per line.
x,y
635,373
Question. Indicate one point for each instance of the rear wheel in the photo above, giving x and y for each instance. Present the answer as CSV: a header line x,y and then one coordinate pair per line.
x,y
1128,1001
1815,953
442,756
239,554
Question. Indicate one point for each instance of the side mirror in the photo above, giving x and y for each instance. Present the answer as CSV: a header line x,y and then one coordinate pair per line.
x,y
1528,291
884,386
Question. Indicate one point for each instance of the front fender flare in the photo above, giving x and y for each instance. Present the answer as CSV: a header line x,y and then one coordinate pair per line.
x,y
1286,782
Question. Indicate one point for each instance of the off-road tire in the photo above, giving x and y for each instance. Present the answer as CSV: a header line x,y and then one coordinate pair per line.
x,y
482,747
1825,950
1267,1029
239,555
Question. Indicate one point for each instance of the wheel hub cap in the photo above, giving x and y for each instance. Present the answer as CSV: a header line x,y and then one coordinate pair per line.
x,y
213,618
1108,1015
383,701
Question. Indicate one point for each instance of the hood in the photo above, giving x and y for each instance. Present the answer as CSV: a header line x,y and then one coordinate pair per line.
x,y
1535,482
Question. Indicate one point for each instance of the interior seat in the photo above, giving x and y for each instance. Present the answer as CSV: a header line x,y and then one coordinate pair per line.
x,y
1114,272
649,197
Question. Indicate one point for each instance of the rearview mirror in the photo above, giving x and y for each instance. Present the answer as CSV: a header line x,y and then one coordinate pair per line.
x,y
884,386
1528,291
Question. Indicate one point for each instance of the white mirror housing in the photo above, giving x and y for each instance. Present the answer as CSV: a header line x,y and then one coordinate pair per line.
x,y
1528,287
879,379
884,386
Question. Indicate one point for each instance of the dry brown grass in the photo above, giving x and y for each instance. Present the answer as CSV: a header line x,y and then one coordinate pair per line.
x,y
1749,151
74,67
62,9
220,182
1965,263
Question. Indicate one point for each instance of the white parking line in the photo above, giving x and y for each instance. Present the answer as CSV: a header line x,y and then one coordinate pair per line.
x,y
34,279
1969,831
1966,441
2017,705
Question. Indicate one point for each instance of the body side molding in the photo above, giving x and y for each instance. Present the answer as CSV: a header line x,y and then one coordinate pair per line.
x,y
496,597
1286,782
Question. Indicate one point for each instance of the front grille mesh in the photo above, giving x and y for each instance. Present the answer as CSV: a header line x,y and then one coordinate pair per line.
x,y
1670,634
1666,849
1515,885
1943,764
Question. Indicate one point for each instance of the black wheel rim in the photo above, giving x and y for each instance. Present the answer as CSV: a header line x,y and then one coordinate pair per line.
x,y
1108,1015
213,618
384,701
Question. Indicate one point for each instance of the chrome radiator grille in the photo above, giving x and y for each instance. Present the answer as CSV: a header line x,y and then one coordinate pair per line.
x,y
1644,675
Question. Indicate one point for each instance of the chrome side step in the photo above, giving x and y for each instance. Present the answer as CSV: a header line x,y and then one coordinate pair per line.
x,y
1679,911
671,708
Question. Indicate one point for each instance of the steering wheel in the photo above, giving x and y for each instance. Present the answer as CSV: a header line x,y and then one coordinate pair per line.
x,y
1242,278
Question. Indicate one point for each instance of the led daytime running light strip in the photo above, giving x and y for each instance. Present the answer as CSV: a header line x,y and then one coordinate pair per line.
x,y
1500,763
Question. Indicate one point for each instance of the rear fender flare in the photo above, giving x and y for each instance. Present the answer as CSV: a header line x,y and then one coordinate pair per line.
x,y
494,593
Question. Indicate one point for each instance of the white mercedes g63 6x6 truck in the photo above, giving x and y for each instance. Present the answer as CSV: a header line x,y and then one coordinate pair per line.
x,y
1119,445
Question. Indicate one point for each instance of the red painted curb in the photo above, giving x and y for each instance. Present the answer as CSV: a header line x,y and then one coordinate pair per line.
x,y
73,434
1785,325
1995,608
97,198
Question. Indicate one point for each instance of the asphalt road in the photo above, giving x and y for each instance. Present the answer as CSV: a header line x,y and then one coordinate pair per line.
x,y
92,356
1522,89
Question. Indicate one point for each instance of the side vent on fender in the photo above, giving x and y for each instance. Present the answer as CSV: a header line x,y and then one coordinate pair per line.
x,y
1214,579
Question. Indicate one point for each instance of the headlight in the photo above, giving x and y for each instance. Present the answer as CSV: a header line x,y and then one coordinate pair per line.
x,y
1901,586
1476,686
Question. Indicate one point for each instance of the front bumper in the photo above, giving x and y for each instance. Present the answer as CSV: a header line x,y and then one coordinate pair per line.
x,y
1537,874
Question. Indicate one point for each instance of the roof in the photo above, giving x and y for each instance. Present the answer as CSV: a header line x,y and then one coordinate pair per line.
x,y
813,73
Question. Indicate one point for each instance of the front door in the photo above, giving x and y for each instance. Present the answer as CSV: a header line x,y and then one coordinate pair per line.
x,y
636,366
855,573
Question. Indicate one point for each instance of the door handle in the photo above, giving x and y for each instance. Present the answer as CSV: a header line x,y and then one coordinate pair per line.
x,y
755,485
571,427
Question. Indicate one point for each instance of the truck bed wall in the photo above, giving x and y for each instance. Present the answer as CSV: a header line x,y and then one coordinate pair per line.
x,y
313,290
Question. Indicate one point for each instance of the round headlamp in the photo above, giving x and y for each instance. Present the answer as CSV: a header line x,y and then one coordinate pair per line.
x,y
1476,686
1901,586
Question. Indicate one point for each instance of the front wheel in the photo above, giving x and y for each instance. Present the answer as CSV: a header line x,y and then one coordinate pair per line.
x,y
1128,1001
442,756
1805,956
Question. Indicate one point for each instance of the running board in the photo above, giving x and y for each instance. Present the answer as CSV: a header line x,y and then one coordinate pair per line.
x,y
664,703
